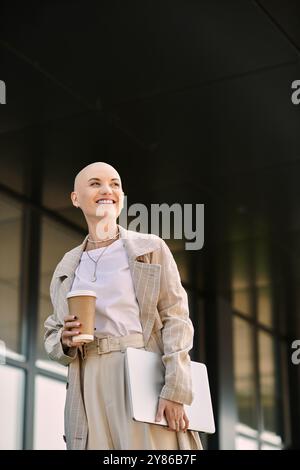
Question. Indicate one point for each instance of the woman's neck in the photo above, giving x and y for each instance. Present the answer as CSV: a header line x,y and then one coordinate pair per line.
x,y
103,235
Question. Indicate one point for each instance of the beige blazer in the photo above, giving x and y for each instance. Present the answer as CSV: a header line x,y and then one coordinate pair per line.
x,y
166,326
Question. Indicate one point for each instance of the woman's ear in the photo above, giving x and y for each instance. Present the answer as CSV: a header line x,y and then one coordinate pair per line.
x,y
74,199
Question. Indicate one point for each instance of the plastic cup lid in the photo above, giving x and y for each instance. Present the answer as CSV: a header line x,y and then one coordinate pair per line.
x,y
76,293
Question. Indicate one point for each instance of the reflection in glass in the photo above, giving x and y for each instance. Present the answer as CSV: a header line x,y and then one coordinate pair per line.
x,y
241,300
270,441
240,278
244,372
269,447
286,410
245,443
267,381
56,241
246,438
282,308
263,283
49,414
10,244
262,262
11,407
264,305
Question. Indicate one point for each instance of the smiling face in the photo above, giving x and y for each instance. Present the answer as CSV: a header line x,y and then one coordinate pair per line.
x,y
98,191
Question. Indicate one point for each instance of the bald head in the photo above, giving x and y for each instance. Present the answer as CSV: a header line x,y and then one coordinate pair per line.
x,y
94,170
91,183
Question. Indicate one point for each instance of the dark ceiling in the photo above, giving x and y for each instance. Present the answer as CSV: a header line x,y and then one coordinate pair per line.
x,y
190,100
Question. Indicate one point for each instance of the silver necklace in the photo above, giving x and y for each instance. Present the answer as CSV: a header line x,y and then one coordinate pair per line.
x,y
105,240
94,279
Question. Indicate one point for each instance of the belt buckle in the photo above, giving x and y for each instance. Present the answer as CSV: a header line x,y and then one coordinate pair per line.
x,y
100,348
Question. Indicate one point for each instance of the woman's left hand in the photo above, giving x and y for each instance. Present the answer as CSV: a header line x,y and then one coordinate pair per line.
x,y
175,415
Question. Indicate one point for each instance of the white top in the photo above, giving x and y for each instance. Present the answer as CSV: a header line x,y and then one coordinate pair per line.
x,y
117,309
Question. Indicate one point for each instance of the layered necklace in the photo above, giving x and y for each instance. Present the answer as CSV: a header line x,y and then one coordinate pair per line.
x,y
94,278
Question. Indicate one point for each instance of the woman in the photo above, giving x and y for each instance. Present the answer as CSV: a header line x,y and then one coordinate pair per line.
x,y
141,303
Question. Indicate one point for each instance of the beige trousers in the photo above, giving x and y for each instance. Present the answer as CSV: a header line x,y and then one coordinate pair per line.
x,y
110,425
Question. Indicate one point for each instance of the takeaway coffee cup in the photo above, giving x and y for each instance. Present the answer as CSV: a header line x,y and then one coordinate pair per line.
x,y
82,303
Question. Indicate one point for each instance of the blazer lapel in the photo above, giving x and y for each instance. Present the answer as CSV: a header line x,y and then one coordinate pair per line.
x,y
71,260
145,276
65,273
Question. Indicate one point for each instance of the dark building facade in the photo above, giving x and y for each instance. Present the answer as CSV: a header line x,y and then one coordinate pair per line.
x,y
191,107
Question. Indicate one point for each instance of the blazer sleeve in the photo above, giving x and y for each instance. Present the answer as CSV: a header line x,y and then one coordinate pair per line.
x,y
177,332
53,331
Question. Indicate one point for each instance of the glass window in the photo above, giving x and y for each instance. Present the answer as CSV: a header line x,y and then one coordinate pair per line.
x,y
240,278
267,381
14,154
264,305
56,241
10,249
263,283
244,372
49,414
245,443
11,407
241,300
196,310
64,146
269,447
182,261
282,306
285,351
270,441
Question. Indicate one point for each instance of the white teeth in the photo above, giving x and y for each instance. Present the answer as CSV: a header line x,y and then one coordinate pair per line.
x,y
105,201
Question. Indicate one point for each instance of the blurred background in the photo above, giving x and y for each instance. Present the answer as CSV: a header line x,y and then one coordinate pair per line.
x,y
191,102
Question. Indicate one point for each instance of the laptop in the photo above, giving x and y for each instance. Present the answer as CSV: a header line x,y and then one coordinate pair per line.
x,y
145,379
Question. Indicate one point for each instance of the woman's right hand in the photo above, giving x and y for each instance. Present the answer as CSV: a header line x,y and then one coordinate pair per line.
x,y
71,328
